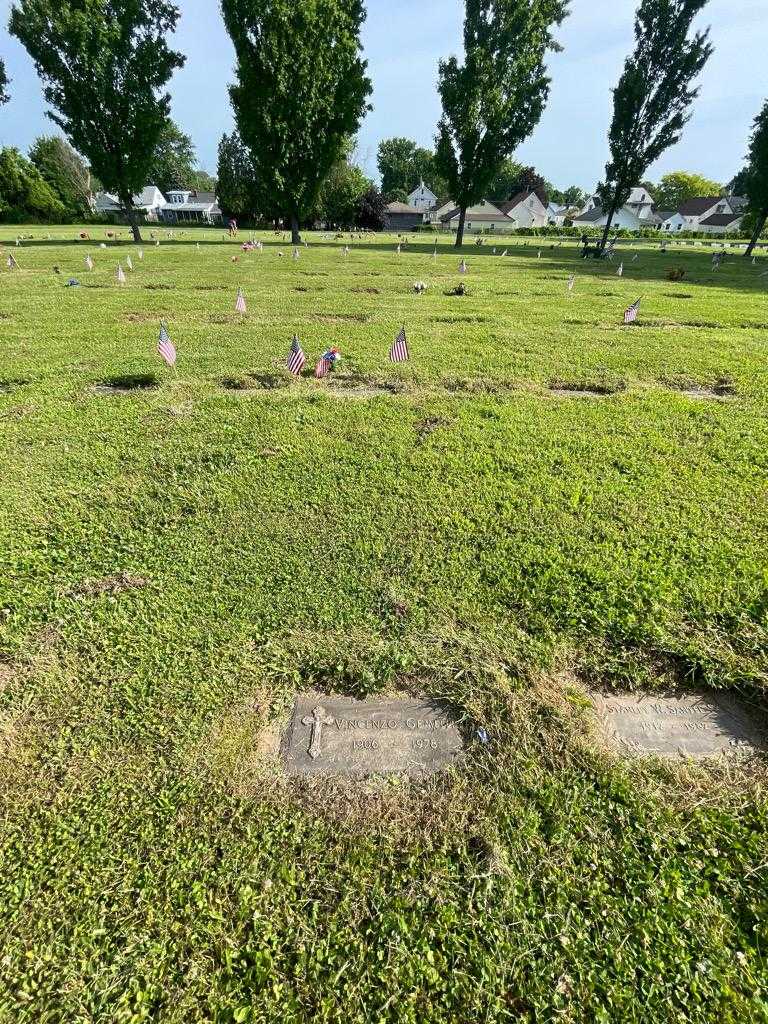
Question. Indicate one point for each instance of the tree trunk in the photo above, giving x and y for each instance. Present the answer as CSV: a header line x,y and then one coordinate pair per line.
x,y
758,231
295,233
133,218
460,229
604,240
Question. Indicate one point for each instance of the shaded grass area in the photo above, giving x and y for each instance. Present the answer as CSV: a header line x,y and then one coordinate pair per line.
x,y
182,555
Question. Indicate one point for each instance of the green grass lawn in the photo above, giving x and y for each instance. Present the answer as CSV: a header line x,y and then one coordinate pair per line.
x,y
179,560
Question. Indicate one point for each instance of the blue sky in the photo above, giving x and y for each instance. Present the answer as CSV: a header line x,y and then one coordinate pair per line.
x,y
403,42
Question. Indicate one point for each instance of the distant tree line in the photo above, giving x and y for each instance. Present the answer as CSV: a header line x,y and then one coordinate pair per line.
x,y
299,93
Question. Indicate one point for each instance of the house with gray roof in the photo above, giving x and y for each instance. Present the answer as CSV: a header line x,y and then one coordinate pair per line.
x,y
191,207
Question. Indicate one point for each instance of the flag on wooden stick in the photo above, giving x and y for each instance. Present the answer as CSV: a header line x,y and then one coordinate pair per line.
x,y
165,346
120,274
12,264
631,314
296,357
571,282
88,263
129,262
399,351
240,306
463,267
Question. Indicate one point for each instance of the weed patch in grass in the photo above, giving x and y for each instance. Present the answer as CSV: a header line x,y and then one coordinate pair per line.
x,y
112,585
8,384
586,389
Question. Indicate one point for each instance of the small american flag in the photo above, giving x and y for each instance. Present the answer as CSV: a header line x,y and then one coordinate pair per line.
x,y
12,264
463,267
129,263
295,254
165,346
631,314
571,282
89,263
296,357
323,367
240,306
120,274
399,351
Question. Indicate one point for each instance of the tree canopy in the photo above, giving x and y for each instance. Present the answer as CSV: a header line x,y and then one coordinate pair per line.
x,y
680,186
4,97
24,193
652,101
341,192
104,66
756,180
173,161
238,191
403,164
493,101
300,92
65,172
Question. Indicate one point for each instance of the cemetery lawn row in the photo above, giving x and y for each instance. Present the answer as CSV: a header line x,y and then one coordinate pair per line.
x,y
183,550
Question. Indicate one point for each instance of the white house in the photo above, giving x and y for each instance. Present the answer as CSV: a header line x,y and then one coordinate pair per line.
x,y
439,210
641,203
624,218
190,206
526,209
483,216
150,201
422,198
694,211
557,215
721,223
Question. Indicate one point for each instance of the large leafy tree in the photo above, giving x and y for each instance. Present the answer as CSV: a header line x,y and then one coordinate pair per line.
x,y
237,185
4,97
651,103
403,164
300,93
493,101
104,64
370,210
503,185
202,181
757,177
64,171
173,161
24,193
341,192
678,187
529,180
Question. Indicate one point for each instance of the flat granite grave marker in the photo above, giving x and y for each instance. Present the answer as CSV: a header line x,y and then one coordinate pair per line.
x,y
341,736
693,725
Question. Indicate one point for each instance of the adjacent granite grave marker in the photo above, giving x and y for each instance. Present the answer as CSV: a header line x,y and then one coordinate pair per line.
x,y
693,725
340,736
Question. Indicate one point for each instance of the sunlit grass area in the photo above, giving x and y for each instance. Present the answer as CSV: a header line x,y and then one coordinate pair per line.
x,y
542,500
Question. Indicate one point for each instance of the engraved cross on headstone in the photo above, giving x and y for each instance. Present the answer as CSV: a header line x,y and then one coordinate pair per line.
x,y
317,720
